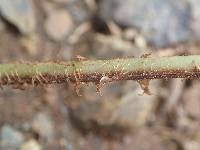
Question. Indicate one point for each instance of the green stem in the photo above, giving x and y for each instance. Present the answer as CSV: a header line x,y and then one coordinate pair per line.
x,y
101,70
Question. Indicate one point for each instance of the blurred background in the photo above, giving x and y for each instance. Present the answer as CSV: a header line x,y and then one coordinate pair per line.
x,y
55,118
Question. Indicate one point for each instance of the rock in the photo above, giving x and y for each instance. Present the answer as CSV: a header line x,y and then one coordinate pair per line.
x,y
191,145
20,13
62,1
134,110
188,111
144,139
162,23
79,11
11,139
31,145
191,103
128,113
115,43
195,18
2,26
58,25
31,44
43,125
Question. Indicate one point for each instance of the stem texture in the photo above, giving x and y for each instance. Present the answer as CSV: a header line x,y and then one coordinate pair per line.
x,y
101,71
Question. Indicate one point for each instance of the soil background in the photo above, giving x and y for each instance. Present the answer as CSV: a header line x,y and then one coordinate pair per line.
x,y
54,117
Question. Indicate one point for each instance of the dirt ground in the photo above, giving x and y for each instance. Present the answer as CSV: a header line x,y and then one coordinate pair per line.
x,y
55,117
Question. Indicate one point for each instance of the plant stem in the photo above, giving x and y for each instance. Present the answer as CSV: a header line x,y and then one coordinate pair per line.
x,y
98,71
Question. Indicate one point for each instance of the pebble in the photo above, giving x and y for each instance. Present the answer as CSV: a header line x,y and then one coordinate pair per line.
x,y
43,125
59,24
32,144
162,23
11,139
20,13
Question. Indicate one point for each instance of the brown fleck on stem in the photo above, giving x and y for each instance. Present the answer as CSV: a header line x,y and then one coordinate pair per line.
x,y
100,70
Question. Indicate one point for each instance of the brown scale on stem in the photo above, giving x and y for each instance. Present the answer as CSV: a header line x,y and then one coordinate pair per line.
x,y
104,79
144,84
79,58
77,74
90,77
195,66
117,72
97,77
146,55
